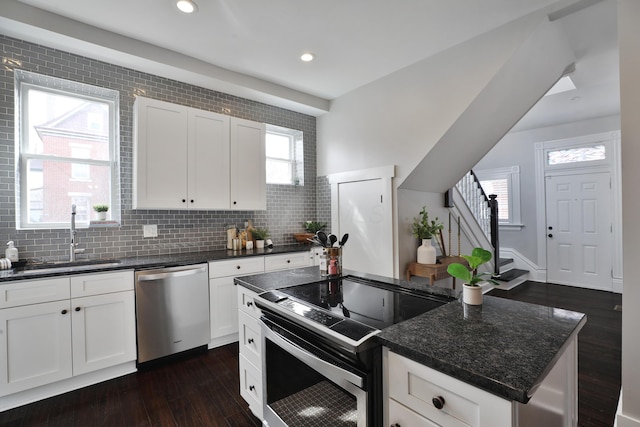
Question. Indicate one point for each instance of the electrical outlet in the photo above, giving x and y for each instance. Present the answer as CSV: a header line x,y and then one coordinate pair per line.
x,y
150,230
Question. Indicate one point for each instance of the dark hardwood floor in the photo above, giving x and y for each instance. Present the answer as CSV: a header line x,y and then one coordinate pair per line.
x,y
599,344
202,390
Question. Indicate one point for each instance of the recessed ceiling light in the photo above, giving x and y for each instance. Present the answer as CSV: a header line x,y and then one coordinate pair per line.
x,y
307,56
187,6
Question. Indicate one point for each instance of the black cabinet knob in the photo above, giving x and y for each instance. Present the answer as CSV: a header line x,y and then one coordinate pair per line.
x,y
288,261
438,402
549,235
395,425
550,228
238,267
191,200
184,200
252,388
249,304
64,311
78,309
250,340
235,203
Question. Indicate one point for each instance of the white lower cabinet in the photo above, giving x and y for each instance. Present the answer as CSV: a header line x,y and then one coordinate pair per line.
x,y
287,261
250,351
103,331
223,305
414,390
35,348
46,346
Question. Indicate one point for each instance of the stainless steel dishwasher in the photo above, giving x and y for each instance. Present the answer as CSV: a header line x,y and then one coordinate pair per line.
x,y
172,310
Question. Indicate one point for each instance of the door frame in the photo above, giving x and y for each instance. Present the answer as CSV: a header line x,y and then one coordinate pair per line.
x,y
386,175
612,165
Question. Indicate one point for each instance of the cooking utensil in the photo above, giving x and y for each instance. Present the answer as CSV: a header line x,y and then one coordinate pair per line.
x,y
332,239
344,239
322,236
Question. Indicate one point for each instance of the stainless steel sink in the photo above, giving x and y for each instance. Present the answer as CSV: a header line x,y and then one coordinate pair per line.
x,y
67,266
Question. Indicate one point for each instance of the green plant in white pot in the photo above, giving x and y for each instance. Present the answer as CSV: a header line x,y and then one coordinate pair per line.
x,y
102,211
426,229
471,289
260,234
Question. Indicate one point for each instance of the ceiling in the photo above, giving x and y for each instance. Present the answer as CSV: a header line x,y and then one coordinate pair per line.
x,y
355,41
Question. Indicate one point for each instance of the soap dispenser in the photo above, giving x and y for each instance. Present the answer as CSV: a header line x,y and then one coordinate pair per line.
x,y
12,252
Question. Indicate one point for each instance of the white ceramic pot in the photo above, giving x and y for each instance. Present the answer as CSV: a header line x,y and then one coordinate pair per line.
x,y
102,216
259,244
471,295
426,252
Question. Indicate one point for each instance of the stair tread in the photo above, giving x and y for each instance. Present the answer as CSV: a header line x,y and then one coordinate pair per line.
x,y
514,273
504,261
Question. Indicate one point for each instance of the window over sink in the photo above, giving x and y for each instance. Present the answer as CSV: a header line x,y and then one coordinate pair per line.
x,y
66,151
284,151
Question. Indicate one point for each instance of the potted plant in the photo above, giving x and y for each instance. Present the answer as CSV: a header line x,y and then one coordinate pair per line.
x,y
260,234
425,229
471,290
102,211
311,227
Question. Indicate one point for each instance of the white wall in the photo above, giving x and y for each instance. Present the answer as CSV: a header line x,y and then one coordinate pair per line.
x,y
629,42
517,149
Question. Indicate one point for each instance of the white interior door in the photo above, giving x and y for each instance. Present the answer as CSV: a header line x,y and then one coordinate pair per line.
x,y
579,230
365,212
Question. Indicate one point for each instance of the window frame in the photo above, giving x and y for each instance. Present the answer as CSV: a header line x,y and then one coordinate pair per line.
x,y
512,175
26,81
296,154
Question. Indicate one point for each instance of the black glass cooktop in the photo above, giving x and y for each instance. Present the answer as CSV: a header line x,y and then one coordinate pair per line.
x,y
375,304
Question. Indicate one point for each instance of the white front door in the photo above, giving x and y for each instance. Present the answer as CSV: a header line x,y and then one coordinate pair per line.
x,y
579,230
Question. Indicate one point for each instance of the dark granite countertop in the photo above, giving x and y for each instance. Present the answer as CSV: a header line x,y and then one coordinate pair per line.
x,y
505,347
147,262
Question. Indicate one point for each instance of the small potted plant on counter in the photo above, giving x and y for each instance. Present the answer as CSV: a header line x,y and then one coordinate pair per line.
x,y
260,234
102,211
471,289
424,229
312,227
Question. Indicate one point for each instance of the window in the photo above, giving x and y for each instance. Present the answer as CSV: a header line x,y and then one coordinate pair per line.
x,y
284,150
67,151
504,183
576,154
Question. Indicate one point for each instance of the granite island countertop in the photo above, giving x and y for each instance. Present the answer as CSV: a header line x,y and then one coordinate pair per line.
x,y
146,262
505,347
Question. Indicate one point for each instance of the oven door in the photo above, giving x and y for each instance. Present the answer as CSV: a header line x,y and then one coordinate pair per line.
x,y
304,385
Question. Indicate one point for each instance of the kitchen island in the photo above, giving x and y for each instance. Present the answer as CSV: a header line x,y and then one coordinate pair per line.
x,y
505,363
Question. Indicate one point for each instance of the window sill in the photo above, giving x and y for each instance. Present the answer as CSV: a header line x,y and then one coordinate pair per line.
x,y
106,223
516,227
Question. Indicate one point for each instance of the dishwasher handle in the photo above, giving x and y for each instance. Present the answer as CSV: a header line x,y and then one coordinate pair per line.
x,y
169,273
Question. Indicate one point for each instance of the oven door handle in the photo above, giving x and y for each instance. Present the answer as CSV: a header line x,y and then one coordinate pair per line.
x,y
329,370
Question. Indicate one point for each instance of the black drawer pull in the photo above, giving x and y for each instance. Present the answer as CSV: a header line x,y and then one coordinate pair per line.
x,y
249,304
438,402
78,309
250,340
64,311
252,388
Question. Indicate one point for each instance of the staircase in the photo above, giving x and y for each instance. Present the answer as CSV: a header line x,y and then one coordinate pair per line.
x,y
477,215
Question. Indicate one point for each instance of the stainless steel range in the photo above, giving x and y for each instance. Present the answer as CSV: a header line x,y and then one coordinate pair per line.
x,y
321,365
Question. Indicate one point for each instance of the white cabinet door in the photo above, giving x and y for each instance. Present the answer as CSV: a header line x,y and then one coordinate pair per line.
x,y
104,332
248,176
208,154
160,155
223,306
35,346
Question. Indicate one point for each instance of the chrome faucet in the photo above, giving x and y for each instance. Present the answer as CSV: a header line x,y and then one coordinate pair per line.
x,y
73,245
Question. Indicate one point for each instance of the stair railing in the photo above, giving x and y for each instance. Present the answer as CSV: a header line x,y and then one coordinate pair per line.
x,y
484,209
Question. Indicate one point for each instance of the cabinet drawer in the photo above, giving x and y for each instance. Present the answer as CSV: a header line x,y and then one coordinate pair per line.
x,y
246,303
251,386
24,292
402,416
415,385
101,283
236,267
286,261
250,338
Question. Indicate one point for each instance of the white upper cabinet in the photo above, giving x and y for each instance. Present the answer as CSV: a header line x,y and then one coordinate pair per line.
x,y
185,158
248,176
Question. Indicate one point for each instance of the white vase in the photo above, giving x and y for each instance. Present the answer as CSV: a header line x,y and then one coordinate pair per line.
x,y
259,244
426,252
471,295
